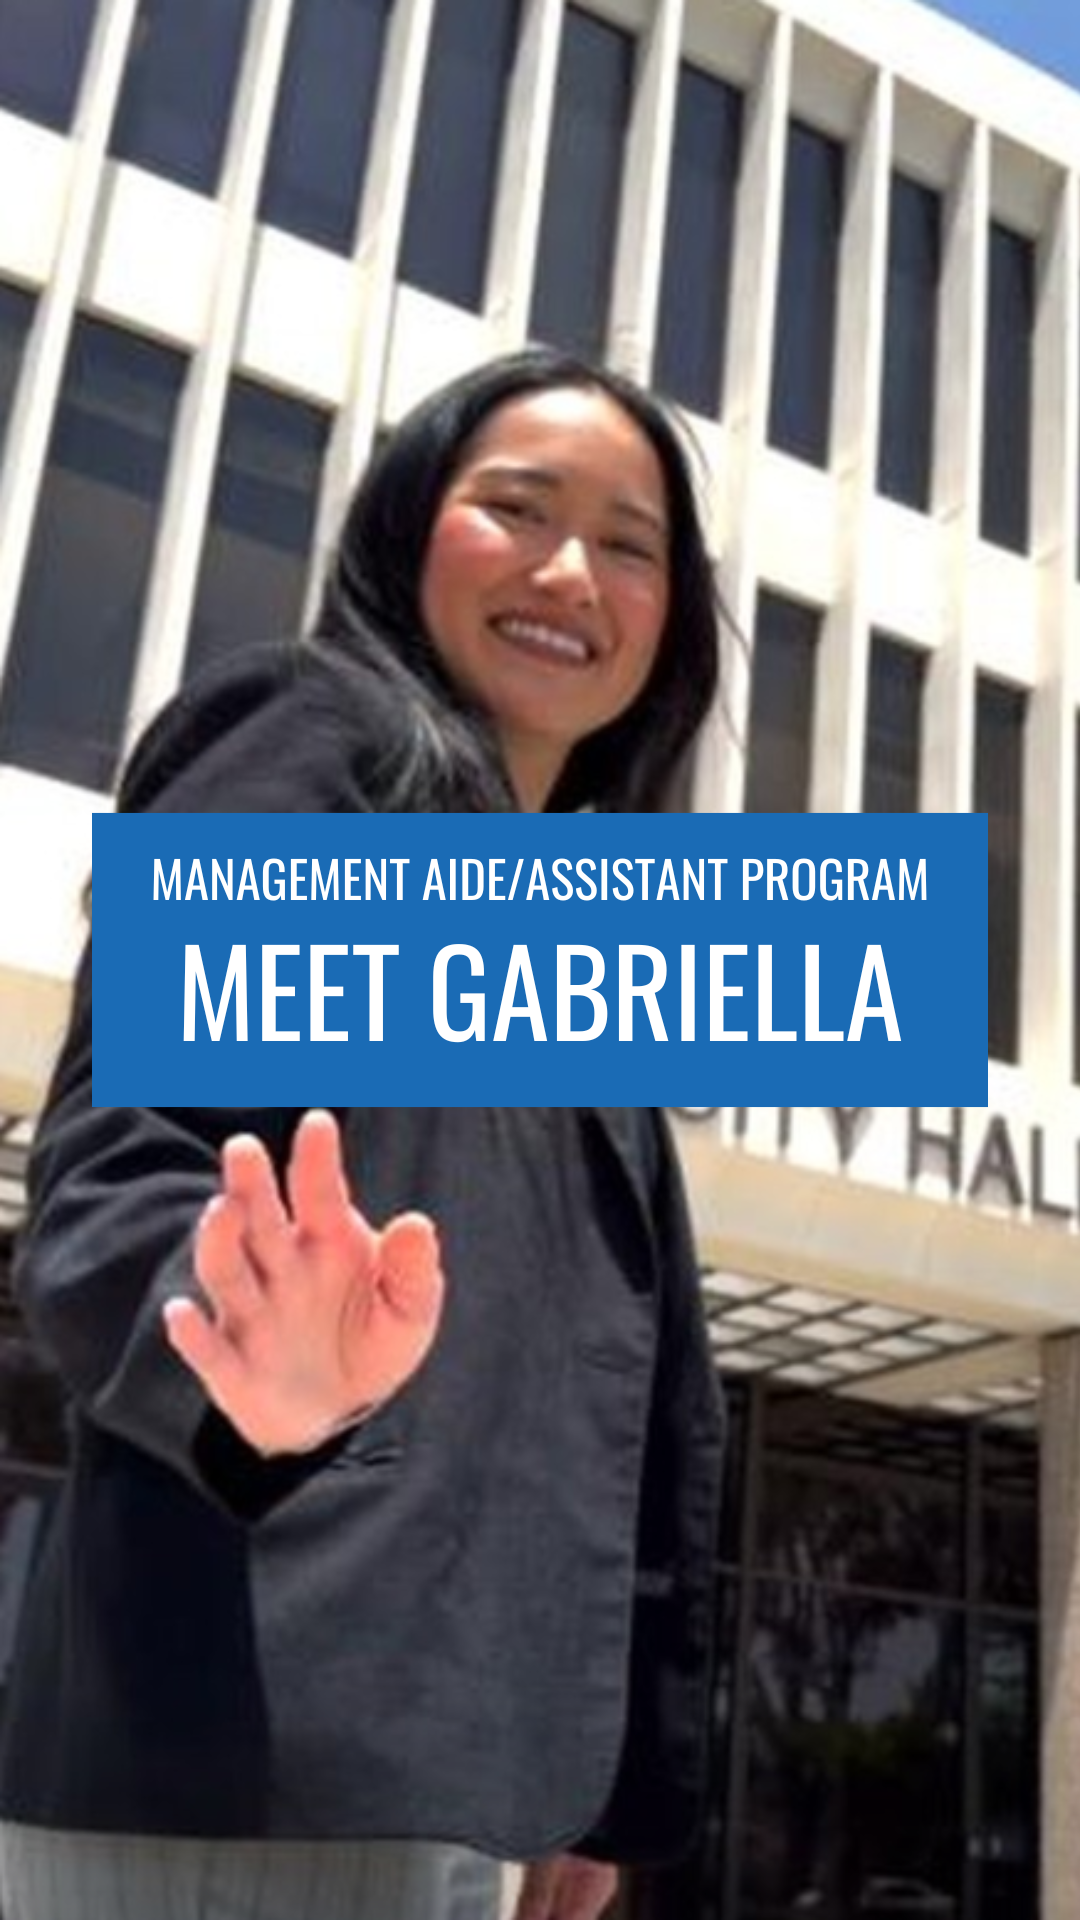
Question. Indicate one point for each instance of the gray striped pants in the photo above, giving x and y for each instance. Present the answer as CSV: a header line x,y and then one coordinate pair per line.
x,y
93,1876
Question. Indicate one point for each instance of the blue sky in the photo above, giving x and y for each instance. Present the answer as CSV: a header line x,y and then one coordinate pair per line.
x,y
1046,32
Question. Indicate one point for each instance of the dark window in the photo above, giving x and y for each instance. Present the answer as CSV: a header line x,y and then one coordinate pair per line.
x,y
1008,1696
853,1770
322,124
1006,447
736,1467
1009,1560
781,705
258,540
874,1688
178,89
893,727
695,282
69,671
999,763
581,192
861,1496
905,447
452,191
16,313
43,47
800,406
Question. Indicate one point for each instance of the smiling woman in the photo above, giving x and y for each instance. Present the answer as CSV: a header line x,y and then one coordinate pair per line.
x,y
545,587
535,483
413,1523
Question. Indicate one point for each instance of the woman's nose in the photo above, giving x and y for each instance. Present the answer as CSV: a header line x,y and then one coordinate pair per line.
x,y
568,568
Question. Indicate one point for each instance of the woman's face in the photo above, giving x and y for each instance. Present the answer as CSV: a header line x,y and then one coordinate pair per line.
x,y
545,585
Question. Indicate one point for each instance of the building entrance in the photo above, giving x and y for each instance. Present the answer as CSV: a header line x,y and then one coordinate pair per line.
x,y
877,1709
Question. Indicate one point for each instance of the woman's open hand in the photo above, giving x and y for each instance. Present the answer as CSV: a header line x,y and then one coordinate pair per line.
x,y
566,1887
314,1316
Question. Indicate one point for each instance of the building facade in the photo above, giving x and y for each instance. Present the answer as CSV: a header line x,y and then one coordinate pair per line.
x,y
843,238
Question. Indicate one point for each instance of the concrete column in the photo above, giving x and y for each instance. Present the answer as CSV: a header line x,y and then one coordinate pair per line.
x,y
375,255
639,249
839,717
948,755
1059,1500
46,349
178,549
519,198
720,770
1047,863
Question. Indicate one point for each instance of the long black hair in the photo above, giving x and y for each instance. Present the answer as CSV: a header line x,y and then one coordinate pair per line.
x,y
371,601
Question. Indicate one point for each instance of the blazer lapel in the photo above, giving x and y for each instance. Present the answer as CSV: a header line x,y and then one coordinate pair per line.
x,y
621,1128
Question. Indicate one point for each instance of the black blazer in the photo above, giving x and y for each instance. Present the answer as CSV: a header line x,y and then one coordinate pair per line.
x,y
483,1615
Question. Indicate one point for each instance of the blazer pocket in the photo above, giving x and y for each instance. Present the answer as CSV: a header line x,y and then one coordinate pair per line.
x,y
614,1359
368,1452
380,1442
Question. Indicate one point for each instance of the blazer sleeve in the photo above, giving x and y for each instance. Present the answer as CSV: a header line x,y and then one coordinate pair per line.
x,y
114,1193
659,1794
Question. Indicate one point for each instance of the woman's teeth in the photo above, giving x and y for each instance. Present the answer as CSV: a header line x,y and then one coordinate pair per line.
x,y
538,637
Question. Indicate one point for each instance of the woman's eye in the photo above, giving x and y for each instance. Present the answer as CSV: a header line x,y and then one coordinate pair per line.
x,y
634,550
516,511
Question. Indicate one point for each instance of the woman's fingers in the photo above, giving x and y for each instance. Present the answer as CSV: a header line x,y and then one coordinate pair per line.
x,y
307,1313
207,1351
223,1266
410,1270
249,1181
566,1887
537,1897
318,1190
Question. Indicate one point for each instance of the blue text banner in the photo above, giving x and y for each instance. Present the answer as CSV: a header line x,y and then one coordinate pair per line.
x,y
458,960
